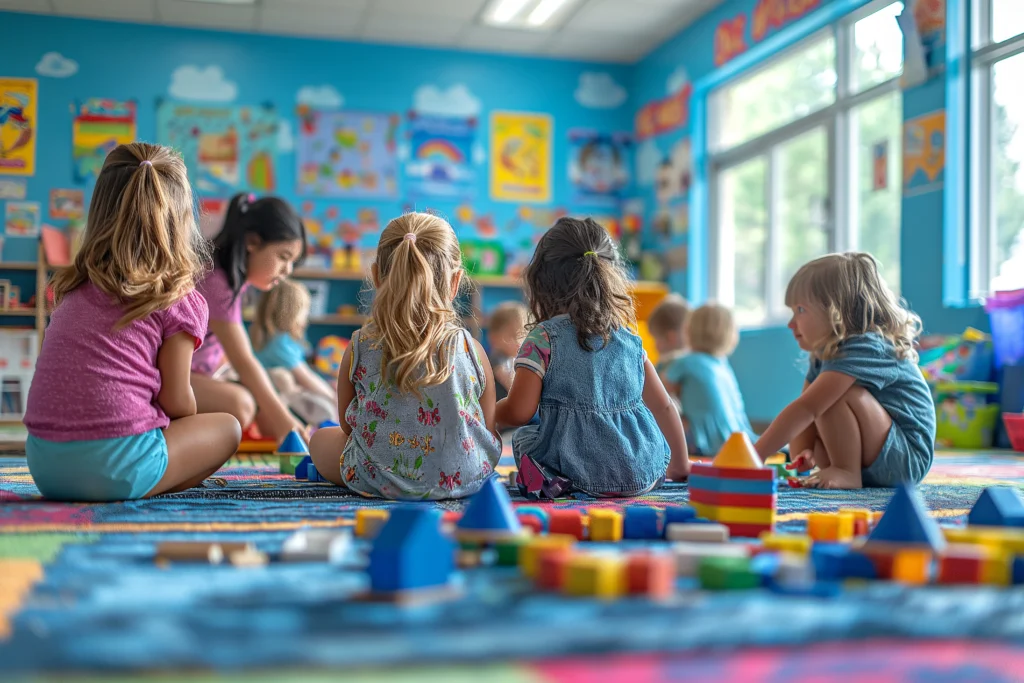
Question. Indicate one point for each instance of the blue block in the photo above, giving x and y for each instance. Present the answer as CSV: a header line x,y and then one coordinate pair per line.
x,y
1018,570
857,565
292,445
301,470
328,423
411,551
755,486
312,474
906,521
641,522
998,506
679,514
765,565
828,559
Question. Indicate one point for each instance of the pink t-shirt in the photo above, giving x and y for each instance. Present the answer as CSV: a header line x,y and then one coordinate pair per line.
x,y
224,306
94,383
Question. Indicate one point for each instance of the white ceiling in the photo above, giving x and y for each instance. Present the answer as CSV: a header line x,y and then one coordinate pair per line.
x,y
590,30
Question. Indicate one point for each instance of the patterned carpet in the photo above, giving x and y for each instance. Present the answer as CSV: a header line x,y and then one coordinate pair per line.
x,y
82,594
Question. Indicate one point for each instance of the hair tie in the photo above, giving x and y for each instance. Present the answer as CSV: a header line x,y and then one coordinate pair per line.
x,y
250,197
590,253
411,237
145,162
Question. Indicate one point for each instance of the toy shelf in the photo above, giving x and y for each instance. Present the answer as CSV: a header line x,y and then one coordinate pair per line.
x,y
323,274
42,270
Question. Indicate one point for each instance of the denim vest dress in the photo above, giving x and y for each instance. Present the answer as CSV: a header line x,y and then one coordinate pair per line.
x,y
595,429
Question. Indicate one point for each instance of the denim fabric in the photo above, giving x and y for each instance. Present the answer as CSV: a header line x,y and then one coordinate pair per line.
x,y
594,427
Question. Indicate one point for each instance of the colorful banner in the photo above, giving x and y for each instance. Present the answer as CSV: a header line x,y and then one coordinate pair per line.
x,y
598,167
665,114
98,127
347,154
924,153
930,17
441,157
226,149
18,125
521,157
21,219
767,17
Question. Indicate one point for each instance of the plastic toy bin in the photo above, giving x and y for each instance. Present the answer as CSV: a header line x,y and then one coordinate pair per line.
x,y
1006,313
1015,429
964,418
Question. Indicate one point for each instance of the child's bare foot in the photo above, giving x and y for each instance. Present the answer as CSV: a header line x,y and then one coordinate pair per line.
x,y
834,478
680,473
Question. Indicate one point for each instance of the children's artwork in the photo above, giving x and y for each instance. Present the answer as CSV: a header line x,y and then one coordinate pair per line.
x,y
520,157
924,153
67,204
21,219
347,154
598,167
212,211
930,18
18,125
225,148
880,165
12,188
333,239
483,257
98,127
441,157
329,352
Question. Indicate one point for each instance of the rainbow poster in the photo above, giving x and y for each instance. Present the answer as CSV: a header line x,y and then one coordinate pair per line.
x,y
99,125
441,157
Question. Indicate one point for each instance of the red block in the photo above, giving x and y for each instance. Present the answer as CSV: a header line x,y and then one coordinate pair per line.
x,y
569,522
883,563
552,567
860,527
532,523
739,500
732,473
747,530
960,567
451,516
651,574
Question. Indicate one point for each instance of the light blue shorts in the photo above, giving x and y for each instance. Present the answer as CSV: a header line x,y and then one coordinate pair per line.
x,y
124,468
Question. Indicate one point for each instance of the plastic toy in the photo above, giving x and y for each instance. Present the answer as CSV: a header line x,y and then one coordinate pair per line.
x,y
861,520
678,514
641,522
553,568
508,550
735,490
697,533
317,545
605,525
526,512
529,554
595,575
410,554
302,469
369,522
830,526
962,564
650,574
1017,574
329,352
569,522
998,506
489,516
291,452
727,573
787,543
906,523
688,555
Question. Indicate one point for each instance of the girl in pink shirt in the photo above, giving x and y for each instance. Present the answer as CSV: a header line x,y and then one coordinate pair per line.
x,y
261,241
111,414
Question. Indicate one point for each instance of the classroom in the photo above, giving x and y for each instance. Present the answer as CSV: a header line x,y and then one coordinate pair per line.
x,y
514,340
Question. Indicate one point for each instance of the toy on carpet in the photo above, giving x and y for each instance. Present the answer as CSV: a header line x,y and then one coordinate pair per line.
x,y
201,551
370,521
735,490
292,452
535,482
254,442
412,560
317,545
489,516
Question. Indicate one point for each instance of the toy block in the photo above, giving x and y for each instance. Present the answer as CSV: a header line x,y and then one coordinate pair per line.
x,y
998,506
605,525
752,486
828,560
687,555
912,566
650,574
743,500
697,533
787,543
861,520
731,474
679,514
248,557
291,451
553,567
597,576
747,530
738,453
525,512
726,515
641,522
882,560
529,554
369,522
468,558
827,526
1018,571
508,550
997,569
317,545
532,523
727,573
568,522
302,469
489,516
328,423
962,564
906,522
313,475
411,552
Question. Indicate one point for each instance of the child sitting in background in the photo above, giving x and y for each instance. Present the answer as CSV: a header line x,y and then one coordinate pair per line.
x,y
667,325
505,334
111,414
416,389
607,426
278,334
866,416
709,394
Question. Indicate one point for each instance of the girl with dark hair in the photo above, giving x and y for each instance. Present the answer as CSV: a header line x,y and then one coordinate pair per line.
x,y
261,241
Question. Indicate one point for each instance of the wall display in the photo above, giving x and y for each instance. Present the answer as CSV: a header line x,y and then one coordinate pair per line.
x,y
18,125
924,153
598,166
441,157
13,188
347,154
99,125
21,219
521,157
67,204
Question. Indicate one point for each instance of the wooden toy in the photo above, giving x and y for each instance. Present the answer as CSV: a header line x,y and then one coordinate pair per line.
x,y
468,559
697,533
317,545
962,564
997,569
651,574
553,567
687,556
831,526
411,554
828,560
508,550
641,522
198,551
790,543
912,566
861,520
998,506
489,516
727,573
529,554
569,522
906,523
605,525
735,490
597,576
291,451
369,522
302,469
678,514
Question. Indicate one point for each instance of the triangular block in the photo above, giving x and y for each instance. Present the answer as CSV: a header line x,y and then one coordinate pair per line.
x,y
292,445
906,522
301,470
490,511
737,452
998,506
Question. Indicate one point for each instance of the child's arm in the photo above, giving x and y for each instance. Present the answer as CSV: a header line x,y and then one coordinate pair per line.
x,y
346,392
174,362
487,399
312,382
520,405
502,376
665,414
801,414
804,441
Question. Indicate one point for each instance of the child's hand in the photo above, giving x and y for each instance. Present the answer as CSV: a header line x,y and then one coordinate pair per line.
x,y
678,473
803,462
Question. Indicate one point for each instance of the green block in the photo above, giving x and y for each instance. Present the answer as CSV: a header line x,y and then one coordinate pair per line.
x,y
289,463
508,552
781,472
727,573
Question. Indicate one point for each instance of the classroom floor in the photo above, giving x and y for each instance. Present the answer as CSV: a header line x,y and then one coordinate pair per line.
x,y
103,607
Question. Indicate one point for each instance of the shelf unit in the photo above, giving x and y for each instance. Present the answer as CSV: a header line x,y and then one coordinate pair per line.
x,y
38,312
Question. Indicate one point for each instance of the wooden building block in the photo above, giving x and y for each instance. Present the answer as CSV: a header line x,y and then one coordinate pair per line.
x,y
698,533
823,526
597,576
370,521
961,563
688,555
727,573
786,543
861,520
552,567
912,566
651,574
529,554
605,525
725,514
568,522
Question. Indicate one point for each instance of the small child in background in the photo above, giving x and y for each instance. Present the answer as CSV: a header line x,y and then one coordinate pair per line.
x,y
667,325
278,334
416,388
111,414
505,334
709,394
607,426
866,416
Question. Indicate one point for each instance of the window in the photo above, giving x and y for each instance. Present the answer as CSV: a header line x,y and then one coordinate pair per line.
x,y
805,159
997,164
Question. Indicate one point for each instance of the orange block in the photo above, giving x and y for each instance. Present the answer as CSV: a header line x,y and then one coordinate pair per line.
x,y
651,574
911,566
823,526
551,567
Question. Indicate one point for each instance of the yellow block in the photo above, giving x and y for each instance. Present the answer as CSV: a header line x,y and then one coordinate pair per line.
x,y
786,543
18,577
997,569
368,521
529,554
970,536
737,452
859,513
735,515
844,529
596,575
605,525
823,526
911,566
1010,540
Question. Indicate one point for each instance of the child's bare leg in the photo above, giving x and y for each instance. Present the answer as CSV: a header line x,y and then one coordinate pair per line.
x,y
216,396
852,432
325,449
197,446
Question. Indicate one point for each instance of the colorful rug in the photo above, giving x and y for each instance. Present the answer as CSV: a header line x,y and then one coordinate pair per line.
x,y
81,593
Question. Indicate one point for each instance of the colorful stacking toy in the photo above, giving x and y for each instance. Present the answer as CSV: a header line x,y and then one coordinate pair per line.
x,y
735,490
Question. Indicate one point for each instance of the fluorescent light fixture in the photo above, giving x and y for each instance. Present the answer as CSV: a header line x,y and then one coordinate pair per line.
x,y
544,10
507,10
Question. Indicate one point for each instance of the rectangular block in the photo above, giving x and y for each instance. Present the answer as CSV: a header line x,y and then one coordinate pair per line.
x,y
595,576
748,530
912,567
962,564
641,522
552,568
569,522
697,533
605,525
750,486
997,569
786,543
675,514
762,474
742,500
736,515
829,527
529,554
651,574
688,555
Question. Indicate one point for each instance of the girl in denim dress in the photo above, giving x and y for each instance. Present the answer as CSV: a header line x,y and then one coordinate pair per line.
x,y
607,426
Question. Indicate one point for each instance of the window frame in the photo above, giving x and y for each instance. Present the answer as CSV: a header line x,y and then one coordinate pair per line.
x,y
841,215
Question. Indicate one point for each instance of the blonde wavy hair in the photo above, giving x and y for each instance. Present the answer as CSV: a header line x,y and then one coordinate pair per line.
x,y
856,300
142,243
285,308
711,329
413,315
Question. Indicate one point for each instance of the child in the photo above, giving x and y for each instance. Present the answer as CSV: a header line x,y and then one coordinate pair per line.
x,y
417,390
865,416
667,325
604,414
260,242
278,335
111,415
708,392
505,333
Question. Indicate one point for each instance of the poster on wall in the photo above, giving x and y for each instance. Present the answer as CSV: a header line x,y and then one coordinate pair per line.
x,y
226,149
598,166
99,125
66,204
924,153
930,18
18,125
12,188
520,157
21,219
441,157
347,154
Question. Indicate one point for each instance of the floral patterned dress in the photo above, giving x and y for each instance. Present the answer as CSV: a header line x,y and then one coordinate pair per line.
x,y
428,447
